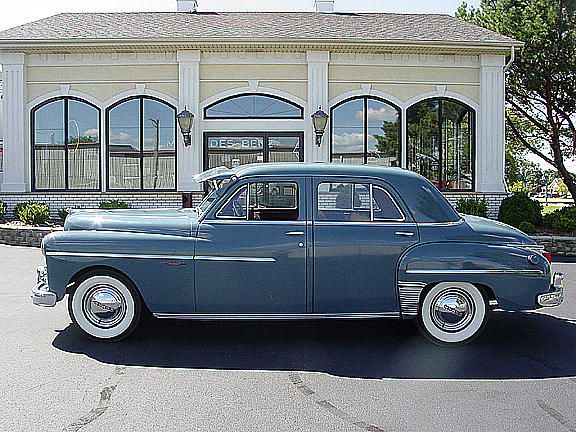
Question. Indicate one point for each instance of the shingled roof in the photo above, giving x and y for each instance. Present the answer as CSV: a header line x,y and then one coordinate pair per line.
x,y
284,26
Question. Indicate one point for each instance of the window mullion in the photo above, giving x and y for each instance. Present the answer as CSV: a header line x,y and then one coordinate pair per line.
x,y
365,130
141,124
66,144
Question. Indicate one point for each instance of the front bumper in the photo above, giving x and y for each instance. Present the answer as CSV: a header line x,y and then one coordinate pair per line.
x,y
555,296
41,294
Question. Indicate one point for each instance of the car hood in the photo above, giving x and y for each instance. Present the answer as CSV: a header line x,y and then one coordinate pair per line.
x,y
151,221
492,231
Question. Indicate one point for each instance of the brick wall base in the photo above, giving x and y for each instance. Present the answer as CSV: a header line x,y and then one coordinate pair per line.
x,y
174,200
493,199
92,200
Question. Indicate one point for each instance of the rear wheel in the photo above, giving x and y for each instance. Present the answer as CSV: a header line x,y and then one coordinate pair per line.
x,y
105,307
453,313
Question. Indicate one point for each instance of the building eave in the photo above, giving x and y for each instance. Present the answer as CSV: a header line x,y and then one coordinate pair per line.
x,y
232,44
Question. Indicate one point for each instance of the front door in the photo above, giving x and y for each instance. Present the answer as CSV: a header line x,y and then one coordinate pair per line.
x,y
360,232
251,250
232,149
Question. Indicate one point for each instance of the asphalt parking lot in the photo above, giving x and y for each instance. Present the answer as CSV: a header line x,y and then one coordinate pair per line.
x,y
520,375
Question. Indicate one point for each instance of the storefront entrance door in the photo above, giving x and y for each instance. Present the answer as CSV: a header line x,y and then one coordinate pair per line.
x,y
235,149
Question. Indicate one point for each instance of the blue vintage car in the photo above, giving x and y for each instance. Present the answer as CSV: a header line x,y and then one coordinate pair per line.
x,y
296,241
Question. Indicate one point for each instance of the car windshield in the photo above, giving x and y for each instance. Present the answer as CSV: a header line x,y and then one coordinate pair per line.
x,y
215,189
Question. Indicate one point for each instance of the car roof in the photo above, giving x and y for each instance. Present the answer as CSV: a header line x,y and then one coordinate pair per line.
x,y
319,169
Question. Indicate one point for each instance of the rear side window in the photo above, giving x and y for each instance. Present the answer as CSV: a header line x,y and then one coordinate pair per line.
x,y
356,202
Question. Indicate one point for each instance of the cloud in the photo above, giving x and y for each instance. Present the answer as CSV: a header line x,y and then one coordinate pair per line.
x,y
120,136
382,114
90,132
349,142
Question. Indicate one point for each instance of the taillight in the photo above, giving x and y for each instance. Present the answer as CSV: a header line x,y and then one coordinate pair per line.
x,y
548,256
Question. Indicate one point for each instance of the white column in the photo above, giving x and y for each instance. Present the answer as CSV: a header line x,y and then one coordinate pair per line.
x,y
189,158
317,97
490,137
16,149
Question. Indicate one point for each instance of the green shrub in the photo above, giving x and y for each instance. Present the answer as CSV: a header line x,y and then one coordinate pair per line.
x,y
18,208
527,227
114,204
520,208
563,220
33,213
3,208
63,214
472,206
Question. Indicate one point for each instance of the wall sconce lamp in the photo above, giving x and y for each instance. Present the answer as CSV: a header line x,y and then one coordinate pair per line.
x,y
319,120
186,121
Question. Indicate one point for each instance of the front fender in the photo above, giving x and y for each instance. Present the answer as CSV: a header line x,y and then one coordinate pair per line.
x,y
161,266
506,270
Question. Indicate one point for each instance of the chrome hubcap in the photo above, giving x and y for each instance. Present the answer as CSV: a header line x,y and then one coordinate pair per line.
x,y
104,306
452,310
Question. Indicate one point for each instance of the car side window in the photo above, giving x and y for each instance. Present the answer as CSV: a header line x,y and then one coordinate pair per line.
x,y
356,202
384,206
264,201
235,207
273,201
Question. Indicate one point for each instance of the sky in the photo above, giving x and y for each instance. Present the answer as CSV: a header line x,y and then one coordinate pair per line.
x,y
21,12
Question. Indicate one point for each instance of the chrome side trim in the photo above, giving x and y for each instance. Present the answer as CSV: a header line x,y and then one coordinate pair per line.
x,y
120,255
476,271
221,316
164,257
234,258
452,223
535,247
409,294
391,223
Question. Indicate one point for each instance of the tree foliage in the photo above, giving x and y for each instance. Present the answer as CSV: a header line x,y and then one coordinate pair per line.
x,y
541,83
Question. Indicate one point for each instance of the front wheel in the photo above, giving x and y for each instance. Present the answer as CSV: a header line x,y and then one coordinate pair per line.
x,y
453,313
105,307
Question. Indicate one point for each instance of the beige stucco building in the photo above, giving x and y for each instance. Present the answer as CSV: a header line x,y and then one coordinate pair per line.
x,y
90,100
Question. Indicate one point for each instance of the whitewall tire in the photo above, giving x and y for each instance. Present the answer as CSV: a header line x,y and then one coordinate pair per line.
x,y
105,307
453,313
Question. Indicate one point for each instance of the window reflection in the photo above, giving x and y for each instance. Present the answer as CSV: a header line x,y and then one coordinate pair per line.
x,y
440,135
254,106
366,130
142,145
66,145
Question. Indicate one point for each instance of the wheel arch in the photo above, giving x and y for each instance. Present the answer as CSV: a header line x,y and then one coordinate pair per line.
x,y
83,273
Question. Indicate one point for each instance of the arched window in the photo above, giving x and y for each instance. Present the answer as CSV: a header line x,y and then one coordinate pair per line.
x,y
253,106
141,145
366,130
441,142
66,145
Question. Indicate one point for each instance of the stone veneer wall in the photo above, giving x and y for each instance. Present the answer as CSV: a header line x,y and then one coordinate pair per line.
x,y
24,236
92,200
558,245
493,199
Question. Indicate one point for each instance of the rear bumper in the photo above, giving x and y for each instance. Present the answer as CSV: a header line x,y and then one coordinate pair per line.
x,y
555,296
41,294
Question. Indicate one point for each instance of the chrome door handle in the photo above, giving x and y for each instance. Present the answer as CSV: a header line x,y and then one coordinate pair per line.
x,y
295,233
404,233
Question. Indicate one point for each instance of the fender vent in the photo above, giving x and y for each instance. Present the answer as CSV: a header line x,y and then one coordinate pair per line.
x,y
409,293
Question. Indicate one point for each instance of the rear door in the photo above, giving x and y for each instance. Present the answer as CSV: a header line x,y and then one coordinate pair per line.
x,y
360,230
